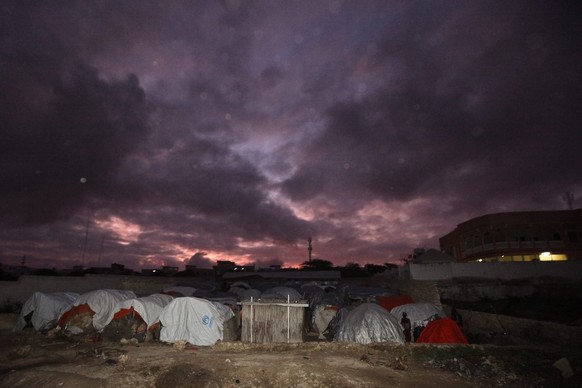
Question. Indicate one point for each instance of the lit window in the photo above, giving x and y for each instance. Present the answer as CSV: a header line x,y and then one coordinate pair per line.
x,y
545,256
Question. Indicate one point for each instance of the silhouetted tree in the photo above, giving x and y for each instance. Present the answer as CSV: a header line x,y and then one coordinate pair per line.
x,y
374,268
317,264
352,270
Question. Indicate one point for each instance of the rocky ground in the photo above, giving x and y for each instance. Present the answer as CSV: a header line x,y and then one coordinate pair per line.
x,y
32,359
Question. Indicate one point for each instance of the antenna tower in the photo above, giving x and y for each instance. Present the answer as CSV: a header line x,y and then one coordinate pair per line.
x,y
568,197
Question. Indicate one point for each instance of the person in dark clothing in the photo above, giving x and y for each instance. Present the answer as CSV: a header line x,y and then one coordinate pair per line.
x,y
406,327
455,316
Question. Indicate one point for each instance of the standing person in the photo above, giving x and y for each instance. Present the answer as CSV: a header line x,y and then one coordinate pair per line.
x,y
406,328
455,316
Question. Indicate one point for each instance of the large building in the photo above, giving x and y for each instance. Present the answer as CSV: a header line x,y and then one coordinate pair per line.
x,y
517,236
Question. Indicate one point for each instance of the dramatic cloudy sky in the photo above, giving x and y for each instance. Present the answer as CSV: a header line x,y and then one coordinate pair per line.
x,y
174,132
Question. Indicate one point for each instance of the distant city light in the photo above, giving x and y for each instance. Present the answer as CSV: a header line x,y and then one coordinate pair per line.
x,y
545,256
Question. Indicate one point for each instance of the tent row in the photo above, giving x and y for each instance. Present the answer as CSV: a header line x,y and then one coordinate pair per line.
x,y
348,314
371,315
194,320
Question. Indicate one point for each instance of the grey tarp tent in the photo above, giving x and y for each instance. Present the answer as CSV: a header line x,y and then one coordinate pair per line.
x,y
369,323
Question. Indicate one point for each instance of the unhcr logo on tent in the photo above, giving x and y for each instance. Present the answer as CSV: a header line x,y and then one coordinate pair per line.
x,y
207,321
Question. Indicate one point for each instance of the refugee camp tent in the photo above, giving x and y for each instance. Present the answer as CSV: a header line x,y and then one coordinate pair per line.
x,y
243,291
391,301
369,323
310,288
442,331
248,294
323,306
178,291
99,304
361,294
420,314
281,293
135,318
44,309
147,308
241,284
336,322
194,320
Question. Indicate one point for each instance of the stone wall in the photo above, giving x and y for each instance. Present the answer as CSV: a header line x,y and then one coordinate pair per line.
x,y
479,324
19,291
571,270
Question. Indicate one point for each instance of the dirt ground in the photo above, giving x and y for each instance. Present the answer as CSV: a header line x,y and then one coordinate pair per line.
x,y
32,359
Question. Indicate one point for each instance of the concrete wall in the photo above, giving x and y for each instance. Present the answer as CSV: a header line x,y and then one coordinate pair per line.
x,y
571,270
19,291
474,291
479,325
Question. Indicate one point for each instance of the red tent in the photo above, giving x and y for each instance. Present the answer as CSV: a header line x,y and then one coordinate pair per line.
x,y
389,302
442,331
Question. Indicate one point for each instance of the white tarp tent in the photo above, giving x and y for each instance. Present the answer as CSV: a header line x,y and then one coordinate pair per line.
x,y
194,320
102,303
45,309
323,307
369,323
243,292
281,293
418,313
149,307
182,290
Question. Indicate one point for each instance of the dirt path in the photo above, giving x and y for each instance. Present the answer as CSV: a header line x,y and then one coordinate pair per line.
x,y
34,360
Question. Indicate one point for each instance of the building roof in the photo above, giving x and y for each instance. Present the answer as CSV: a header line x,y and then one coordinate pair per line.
x,y
291,275
432,256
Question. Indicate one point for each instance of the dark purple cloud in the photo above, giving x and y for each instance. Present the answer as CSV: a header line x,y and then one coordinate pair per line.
x,y
168,132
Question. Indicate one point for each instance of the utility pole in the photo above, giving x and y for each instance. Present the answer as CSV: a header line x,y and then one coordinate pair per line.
x,y
568,197
309,247
85,244
100,252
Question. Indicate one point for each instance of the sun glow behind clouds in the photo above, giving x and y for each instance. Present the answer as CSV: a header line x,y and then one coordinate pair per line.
x,y
379,219
127,232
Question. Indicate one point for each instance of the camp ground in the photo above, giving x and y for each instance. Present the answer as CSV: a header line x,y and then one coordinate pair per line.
x,y
277,314
266,327
42,310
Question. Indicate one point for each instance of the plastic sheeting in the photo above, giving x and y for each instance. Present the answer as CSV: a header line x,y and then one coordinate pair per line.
x,y
350,292
442,331
102,302
418,313
149,307
323,307
369,323
45,309
281,293
182,290
391,301
335,324
245,293
194,320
